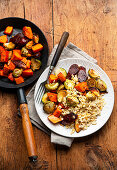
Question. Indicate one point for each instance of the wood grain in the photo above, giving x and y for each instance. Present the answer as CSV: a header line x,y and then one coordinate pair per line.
x,y
92,26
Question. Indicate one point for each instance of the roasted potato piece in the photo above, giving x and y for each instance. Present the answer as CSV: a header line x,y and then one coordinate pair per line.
x,y
17,72
35,64
49,107
29,45
51,86
72,101
45,98
90,96
61,94
69,84
93,74
101,85
25,52
9,46
91,82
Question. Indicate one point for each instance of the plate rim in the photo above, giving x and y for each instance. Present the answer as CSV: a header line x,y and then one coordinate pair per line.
x,y
62,60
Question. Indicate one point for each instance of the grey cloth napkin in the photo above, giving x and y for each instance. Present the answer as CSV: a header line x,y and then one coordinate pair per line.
x,y
71,51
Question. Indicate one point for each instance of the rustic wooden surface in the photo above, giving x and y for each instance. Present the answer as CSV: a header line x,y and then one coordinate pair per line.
x,y
92,26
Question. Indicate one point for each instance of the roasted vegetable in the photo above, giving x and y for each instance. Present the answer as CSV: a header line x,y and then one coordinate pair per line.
x,y
90,96
61,77
35,64
19,64
29,45
25,52
11,65
27,73
28,64
61,70
16,56
36,38
61,87
45,98
52,97
73,70
3,39
36,48
27,31
93,74
69,84
17,72
52,86
77,129
19,40
95,91
57,112
53,78
91,82
82,87
8,30
10,77
54,119
49,107
6,69
9,46
19,80
3,56
101,85
72,101
61,94
10,55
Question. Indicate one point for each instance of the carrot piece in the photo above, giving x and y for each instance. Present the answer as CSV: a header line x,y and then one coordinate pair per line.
x,y
24,60
57,112
28,64
27,31
81,86
27,73
16,56
8,30
77,127
36,48
6,69
61,77
2,54
18,51
52,97
19,80
1,73
3,39
11,65
53,78
54,119
10,77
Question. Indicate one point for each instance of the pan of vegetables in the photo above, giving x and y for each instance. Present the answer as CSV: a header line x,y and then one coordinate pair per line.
x,y
23,57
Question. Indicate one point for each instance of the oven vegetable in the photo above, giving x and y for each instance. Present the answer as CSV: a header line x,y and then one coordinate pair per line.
x,y
101,85
52,86
49,107
93,74
45,98
72,101
61,70
61,94
69,84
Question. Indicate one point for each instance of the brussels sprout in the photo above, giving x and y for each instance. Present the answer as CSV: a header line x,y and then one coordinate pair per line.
x,y
93,74
61,87
35,64
62,70
36,38
29,45
90,96
95,91
101,85
17,72
45,98
49,107
9,46
69,84
91,82
52,86
25,52
61,94
72,101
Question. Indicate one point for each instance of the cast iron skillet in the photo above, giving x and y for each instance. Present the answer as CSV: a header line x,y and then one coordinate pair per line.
x,y
18,24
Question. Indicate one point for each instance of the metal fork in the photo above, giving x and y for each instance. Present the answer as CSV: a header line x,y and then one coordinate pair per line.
x,y
41,89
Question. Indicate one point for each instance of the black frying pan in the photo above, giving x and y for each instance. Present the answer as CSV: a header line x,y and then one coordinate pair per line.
x,y
18,24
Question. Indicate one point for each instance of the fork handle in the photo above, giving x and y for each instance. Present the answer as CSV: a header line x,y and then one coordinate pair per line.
x,y
59,49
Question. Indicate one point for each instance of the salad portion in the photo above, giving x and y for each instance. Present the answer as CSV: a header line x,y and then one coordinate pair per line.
x,y
19,57
74,99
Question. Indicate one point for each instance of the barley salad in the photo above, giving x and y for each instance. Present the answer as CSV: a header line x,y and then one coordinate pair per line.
x,y
74,99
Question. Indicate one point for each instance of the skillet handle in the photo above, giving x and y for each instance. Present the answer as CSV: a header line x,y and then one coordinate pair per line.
x,y
27,126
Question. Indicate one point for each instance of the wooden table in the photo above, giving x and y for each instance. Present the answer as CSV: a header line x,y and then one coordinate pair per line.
x,y
92,26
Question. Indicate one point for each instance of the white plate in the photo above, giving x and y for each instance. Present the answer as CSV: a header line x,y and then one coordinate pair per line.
x,y
105,114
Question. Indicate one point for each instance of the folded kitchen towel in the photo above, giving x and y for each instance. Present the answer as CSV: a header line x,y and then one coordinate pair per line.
x,y
71,51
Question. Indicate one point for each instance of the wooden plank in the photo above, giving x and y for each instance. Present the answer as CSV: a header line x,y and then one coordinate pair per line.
x,y
92,26
12,146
